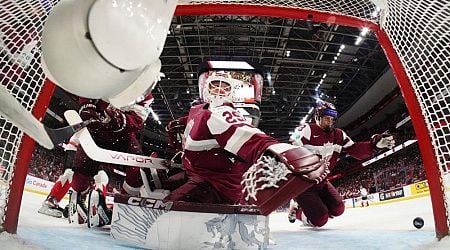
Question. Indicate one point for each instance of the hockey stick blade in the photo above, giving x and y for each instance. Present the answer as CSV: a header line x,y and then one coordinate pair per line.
x,y
109,156
14,112
59,135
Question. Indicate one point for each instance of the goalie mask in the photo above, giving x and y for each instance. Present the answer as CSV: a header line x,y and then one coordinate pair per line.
x,y
233,82
325,115
219,89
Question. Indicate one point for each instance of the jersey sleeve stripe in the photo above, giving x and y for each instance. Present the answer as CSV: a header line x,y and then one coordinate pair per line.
x,y
201,145
240,136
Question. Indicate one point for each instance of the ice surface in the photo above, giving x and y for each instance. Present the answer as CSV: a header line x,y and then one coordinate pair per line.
x,y
387,226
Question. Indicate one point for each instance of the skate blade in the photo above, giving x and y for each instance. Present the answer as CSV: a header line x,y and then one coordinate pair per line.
x,y
50,212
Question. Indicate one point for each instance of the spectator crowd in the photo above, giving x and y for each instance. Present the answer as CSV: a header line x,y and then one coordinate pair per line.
x,y
400,169
49,165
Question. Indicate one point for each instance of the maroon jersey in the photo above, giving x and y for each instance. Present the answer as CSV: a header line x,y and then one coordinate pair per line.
x,y
330,145
116,131
220,145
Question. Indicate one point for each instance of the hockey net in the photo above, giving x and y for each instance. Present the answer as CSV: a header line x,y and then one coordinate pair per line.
x,y
413,33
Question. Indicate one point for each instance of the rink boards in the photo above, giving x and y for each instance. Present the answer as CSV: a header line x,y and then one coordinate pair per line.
x,y
155,224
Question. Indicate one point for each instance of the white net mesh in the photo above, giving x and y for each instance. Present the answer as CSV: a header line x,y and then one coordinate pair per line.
x,y
20,72
418,30
364,9
266,173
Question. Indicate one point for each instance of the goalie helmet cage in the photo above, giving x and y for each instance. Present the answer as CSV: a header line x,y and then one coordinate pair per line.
x,y
413,33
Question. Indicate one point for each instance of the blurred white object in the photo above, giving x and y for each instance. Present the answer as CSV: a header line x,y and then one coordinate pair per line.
x,y
103,48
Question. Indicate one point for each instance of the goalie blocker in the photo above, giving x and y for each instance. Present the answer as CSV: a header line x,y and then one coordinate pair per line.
x,y
283,172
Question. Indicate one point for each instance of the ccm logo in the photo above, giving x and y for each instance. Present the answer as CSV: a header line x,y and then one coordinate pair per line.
x,y
150,203
140,159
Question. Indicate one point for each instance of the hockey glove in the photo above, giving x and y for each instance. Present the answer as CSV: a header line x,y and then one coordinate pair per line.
x,y
382,141
300,161
283,172
88,111
111,119
175,130
102,106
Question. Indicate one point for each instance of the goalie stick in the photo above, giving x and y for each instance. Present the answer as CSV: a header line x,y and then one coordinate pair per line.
x,y
109,156
12,110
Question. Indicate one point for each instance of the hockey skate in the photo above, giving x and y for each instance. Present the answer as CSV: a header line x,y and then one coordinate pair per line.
x,y
293,208
99,214
50,207
292,215
77,205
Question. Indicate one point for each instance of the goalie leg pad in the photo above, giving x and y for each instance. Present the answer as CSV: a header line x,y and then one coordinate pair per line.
x,y
75,207
196,190
98,213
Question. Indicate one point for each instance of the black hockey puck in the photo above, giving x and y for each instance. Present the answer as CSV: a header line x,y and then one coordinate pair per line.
x,y
418,222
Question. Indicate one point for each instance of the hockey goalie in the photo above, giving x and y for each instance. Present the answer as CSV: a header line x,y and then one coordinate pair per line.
x,y
227,161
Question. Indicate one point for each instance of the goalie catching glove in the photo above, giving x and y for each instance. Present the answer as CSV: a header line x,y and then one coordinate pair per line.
x,y
382,141
300,161
283,172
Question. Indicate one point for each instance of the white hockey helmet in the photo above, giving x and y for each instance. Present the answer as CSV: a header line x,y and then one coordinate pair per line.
x,y
106,49
236,82
219,89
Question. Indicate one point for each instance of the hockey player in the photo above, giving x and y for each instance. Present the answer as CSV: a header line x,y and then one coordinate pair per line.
x,y
51,204
322,201
220,144
114,129
364,199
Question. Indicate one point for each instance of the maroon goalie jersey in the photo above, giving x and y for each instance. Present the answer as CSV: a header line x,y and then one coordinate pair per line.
x,y
220,145
330,145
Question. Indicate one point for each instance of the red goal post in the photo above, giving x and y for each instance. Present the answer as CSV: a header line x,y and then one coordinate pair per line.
x,y
413,33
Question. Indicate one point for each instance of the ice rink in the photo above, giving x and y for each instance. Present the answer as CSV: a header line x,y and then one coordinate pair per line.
x,y
375,227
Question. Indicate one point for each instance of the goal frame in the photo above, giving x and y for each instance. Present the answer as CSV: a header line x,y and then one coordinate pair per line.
x,y
23,159
418,120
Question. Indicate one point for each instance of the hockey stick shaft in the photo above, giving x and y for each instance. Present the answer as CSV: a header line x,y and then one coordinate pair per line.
x,y
110,156
13,111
